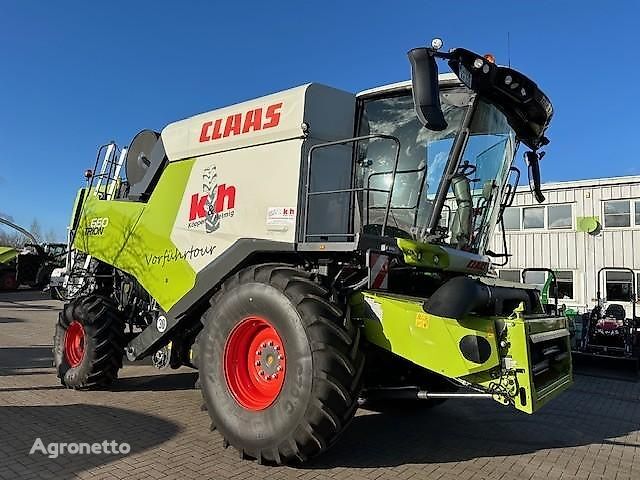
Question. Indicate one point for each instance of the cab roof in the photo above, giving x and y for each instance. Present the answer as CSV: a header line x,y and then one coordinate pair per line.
x,y
445,79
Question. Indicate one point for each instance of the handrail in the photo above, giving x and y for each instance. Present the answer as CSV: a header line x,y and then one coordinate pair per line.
x,y
309,193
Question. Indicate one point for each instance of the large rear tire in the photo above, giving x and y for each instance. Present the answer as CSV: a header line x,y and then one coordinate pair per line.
x,y
280,365
88,345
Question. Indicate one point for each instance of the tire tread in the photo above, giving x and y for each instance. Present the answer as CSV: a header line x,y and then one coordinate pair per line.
x,y
335,388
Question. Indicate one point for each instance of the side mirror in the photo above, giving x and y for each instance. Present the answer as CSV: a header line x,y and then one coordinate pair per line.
x,y
426,91
533,161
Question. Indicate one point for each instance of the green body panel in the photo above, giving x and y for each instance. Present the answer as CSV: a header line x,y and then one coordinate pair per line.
x,y
7,254
427,340
77,204
521,331
421,254
400,325
137,237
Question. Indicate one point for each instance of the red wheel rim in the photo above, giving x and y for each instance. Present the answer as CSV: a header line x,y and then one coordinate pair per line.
x,y
74,344
254,363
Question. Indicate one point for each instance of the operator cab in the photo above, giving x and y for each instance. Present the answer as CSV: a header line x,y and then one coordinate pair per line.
x,y
469,211
458,134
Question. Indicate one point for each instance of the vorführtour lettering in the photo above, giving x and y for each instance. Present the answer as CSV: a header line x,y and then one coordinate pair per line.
x,y
173,255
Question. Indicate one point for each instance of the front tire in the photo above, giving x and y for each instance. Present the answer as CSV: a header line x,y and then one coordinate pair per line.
x,y
280,365
88,346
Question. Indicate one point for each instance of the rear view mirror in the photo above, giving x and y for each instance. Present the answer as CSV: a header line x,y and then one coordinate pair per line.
x,y
533,161
426,92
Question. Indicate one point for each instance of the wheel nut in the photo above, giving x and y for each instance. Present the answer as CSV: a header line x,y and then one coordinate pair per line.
x,y
261,372
258,352
258,363
274,376
279,368
280,357
264,345
271,343
277,348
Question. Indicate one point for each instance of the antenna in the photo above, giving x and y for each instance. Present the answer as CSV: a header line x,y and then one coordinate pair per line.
x,y
509,48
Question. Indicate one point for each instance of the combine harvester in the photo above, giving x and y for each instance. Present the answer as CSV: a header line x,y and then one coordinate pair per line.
x,y
300,267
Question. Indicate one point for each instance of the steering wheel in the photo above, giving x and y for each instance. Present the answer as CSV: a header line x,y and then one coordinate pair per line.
x,y
467,169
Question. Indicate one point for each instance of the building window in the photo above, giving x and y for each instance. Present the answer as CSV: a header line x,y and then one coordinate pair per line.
x,y
565,285
511,218
533,217
618,287
559,216
637,202
617,213
535,278
509,275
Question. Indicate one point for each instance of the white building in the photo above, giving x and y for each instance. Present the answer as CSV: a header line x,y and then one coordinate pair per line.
x,y
581,227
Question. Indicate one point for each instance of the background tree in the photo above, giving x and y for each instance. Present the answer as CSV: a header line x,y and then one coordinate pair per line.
x,y
10,237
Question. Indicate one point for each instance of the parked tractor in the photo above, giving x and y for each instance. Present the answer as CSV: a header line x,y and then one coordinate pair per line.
x,y
292,249
612,328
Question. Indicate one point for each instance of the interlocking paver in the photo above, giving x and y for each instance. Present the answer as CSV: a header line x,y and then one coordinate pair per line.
x,y
591,432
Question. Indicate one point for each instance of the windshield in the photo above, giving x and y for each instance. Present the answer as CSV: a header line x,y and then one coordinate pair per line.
x,y
470,212
421,150
472,203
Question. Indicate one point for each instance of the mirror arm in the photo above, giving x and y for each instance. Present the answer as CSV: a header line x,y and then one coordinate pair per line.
x,y
532,159
439,54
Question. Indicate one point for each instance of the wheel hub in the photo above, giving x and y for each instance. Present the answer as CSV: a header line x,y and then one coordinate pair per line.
x,y
74,343
268,361
254,363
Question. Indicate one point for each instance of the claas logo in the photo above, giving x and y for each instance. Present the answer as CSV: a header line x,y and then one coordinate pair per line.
x,y
240,123
225,199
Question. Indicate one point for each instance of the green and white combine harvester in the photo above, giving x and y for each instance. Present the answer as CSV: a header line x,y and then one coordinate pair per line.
x,y
292,248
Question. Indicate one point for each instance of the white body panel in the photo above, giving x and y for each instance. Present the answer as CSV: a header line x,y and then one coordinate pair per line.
x,y
247,184
257,186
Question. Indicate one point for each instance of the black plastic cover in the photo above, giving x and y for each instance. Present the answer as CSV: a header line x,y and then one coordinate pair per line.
x,y
527,108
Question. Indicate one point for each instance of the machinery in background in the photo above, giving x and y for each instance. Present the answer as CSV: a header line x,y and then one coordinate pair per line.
x,y
612,328
8,268
30,265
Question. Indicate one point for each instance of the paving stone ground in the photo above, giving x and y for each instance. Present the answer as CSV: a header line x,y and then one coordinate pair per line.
x,y
591,432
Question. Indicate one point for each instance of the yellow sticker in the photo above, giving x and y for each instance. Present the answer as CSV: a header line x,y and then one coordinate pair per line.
x,y
422,320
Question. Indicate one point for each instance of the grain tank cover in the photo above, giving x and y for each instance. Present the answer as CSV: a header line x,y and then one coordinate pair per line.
x,y
328,112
